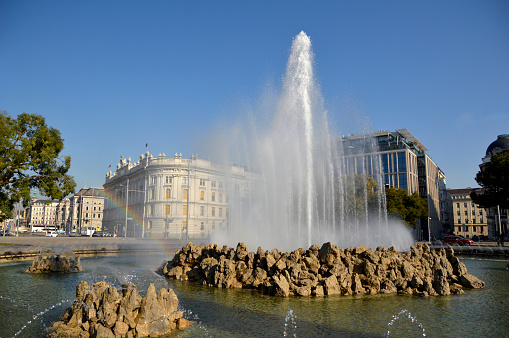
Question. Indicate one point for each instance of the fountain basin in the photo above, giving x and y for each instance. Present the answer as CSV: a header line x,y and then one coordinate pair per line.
x,y
29,303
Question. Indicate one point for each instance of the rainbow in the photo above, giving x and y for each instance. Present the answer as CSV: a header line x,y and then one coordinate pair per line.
x,y
137,221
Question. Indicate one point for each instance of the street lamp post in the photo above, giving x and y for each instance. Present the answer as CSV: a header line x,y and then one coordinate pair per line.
x,y
126,207
429,229
187,207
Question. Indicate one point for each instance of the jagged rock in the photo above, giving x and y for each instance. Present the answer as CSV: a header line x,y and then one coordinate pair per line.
x,y
324,270
357,287
100,311
281,286
241,251
328,252
318,291
441,284
331,286
303,291
470,281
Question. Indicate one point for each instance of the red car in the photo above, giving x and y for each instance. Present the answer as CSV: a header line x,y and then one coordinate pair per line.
x,y
457,240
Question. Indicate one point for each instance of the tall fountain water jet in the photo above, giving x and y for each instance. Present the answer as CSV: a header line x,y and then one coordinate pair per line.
x,y
303,194
298,88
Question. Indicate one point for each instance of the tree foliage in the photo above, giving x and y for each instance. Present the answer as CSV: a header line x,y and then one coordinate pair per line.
x,y
406,207
30,160
362,195
494,178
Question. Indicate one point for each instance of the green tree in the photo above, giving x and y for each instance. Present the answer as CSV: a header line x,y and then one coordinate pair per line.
x,y
362,194
494,178
30,160
406,207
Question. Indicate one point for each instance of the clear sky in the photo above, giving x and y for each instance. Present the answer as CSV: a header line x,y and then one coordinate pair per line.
x,y
115,75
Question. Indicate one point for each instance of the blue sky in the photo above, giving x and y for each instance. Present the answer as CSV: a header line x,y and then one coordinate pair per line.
x,y
115,75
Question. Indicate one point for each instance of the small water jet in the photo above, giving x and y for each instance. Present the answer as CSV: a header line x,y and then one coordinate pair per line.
x,y
39,315
290,324
405,314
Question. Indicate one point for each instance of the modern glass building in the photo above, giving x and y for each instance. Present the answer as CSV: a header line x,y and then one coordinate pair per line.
x,y
402,162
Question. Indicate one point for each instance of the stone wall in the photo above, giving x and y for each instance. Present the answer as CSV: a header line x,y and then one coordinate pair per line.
x,y
324,271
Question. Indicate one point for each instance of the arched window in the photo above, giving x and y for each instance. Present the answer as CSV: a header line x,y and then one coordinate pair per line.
x,y
168,193
202,195
184,196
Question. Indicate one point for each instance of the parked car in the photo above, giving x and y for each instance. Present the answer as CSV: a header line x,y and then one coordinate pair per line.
x,y
459,240
51,234
98,234
74,234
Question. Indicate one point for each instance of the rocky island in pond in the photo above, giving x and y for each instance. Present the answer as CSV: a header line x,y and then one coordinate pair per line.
x,y
101,311
324,271
50,260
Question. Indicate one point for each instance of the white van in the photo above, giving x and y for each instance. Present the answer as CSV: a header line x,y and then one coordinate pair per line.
x,y
51,234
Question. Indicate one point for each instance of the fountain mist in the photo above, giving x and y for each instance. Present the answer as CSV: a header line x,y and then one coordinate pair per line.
x,y
302,194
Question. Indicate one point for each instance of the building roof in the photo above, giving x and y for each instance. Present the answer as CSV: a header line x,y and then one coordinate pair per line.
x,y
96,192
501,143
463,191
410,137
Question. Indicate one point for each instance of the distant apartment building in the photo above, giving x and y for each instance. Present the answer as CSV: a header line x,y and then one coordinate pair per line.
x,y
469,219
83,209
172,197
42,215
86,210
402,161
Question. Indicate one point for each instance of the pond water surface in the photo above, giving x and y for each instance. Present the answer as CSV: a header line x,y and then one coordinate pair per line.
x,y
29,303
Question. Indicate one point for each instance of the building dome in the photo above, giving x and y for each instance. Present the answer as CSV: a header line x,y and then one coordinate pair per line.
x,y
501,143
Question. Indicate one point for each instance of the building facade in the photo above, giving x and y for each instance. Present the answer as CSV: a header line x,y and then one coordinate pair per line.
x,y
469,219
85,211
172,197
73,214
402,161
497,217
42,215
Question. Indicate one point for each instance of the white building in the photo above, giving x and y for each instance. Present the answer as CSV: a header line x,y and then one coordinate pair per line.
x,y
172,197
42,215
85,210
82,210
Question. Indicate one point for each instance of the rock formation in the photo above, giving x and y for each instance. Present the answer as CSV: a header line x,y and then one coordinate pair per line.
x,y
100,311
49,261
324,271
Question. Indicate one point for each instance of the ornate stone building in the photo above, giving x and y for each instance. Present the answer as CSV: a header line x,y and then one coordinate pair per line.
x,y
172,197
